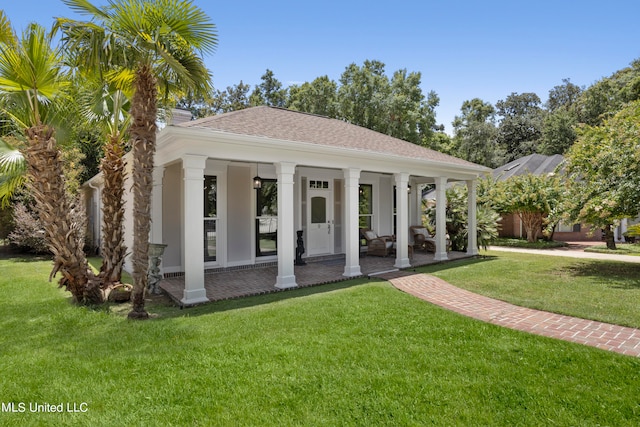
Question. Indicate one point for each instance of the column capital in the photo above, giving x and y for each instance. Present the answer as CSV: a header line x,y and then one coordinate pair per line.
x,y
401,177
285,168
351,173
193,161
440,181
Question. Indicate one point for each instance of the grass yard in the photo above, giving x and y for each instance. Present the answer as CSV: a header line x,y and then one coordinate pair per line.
x,y
621,249
599,290
354,353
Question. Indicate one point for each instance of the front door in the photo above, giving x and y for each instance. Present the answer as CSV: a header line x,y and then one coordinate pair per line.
x,y
319,217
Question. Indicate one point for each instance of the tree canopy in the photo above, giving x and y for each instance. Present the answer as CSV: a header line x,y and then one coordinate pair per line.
x,y
603,169
531,197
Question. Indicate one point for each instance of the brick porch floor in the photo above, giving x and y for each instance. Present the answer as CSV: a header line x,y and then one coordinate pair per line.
x,y
261,280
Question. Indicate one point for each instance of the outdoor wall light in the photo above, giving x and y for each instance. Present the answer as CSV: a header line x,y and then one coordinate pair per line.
x,y
257,181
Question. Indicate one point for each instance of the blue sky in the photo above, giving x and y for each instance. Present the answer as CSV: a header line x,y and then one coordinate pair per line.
x,y
464,49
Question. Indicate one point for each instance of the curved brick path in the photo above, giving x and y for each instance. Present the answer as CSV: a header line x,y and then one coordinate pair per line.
x,y
596,334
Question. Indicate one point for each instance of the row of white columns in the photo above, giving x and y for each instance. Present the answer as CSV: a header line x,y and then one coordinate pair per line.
x,y
193,231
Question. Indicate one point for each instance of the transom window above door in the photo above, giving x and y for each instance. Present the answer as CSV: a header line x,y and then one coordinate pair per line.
x,y
319,184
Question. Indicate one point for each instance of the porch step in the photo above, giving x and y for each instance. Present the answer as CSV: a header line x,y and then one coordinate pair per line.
x,y
378,273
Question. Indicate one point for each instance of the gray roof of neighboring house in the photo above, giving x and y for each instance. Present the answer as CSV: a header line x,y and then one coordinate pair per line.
x,y
537,164
288,125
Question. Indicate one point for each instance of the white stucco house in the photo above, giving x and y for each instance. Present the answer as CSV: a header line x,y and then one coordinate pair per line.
x,y
323,176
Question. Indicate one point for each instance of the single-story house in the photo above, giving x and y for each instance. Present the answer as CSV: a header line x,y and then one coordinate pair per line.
x,y
538,164
234,189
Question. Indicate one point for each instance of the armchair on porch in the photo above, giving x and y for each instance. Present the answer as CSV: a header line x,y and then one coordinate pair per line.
x,y
377,245
423,240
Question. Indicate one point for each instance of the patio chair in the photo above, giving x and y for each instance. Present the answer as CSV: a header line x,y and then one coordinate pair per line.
x,y
377,245
423,240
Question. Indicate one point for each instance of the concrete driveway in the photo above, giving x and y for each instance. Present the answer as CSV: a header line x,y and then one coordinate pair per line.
x,y
574,250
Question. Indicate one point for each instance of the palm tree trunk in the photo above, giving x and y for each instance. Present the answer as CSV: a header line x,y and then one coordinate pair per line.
x,y
143,134
63,231
113,249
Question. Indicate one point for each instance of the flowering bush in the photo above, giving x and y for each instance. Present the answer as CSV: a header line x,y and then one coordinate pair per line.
x,y
29,233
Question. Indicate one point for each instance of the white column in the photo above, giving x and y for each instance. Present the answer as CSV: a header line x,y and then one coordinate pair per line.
x,y
351,232
286,233
415,216
156,205
402,221
472,219
441,219
193,229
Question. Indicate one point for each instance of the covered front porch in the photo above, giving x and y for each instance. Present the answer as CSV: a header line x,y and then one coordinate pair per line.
x,y
257,280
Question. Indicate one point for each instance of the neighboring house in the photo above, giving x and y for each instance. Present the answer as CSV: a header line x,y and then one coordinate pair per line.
x,y
232,190
538,164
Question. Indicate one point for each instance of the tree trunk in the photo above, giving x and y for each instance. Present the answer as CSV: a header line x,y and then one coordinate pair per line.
x,y
609,237
113,249
64,228
532,222
143,134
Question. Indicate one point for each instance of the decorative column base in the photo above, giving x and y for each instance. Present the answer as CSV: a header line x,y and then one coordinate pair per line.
x,y
286,282
402,263
197,296
440,256
352,271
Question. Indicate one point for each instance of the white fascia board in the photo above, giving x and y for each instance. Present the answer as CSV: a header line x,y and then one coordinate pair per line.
x,y
174,142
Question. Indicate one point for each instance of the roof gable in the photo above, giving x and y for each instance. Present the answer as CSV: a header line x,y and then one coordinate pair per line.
x,y
288,125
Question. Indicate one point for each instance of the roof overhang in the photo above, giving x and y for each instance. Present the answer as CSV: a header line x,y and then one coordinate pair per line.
x,y
173,142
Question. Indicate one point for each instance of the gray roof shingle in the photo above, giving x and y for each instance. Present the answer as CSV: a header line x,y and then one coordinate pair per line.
x,y
536,164
288,125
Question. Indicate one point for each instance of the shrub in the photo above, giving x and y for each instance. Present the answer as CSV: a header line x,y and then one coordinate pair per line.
x,y
457,227
29,233
633,233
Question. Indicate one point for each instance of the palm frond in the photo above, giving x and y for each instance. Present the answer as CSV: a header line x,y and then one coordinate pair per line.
x,y
33,71
7,35
83,7
13,169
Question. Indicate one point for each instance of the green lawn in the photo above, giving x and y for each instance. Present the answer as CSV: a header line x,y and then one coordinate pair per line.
x,y
599,290
354,353
621,249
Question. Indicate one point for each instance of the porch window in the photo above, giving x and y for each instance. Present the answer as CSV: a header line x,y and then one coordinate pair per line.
x,y
267,218
365,206
563,227
210,217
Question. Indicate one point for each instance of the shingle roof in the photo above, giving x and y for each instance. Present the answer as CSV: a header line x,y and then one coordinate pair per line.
x,y
288,125
536,164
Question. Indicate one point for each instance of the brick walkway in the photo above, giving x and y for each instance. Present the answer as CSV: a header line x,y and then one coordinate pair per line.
x,y
605,336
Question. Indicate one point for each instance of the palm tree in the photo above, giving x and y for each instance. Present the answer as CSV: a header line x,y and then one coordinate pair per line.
x,y
160,41
32,80
108,109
